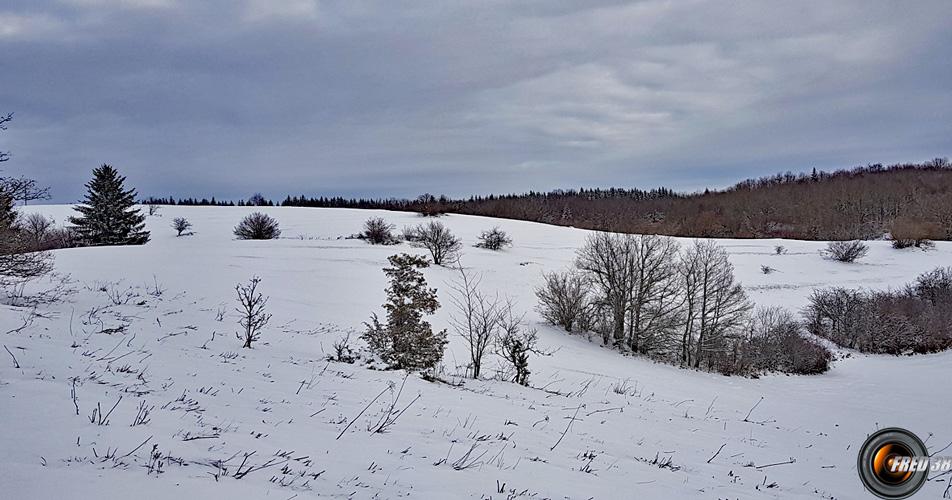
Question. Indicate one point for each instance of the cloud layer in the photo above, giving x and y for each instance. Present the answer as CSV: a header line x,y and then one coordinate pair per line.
x,y
396,98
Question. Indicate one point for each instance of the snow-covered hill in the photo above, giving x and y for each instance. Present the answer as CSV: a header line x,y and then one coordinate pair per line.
x,y
142,333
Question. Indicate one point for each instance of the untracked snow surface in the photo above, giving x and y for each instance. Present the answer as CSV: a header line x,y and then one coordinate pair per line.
x,y
152,329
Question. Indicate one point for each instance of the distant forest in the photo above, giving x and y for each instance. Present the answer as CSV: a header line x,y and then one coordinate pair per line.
x,y
911,201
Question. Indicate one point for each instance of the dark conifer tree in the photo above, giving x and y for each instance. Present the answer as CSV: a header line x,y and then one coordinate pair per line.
x,y
107,216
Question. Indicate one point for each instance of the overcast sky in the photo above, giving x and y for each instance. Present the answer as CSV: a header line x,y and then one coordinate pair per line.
x,y
353,97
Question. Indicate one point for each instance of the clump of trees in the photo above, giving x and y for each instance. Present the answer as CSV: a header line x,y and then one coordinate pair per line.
x,y
258,226
645,294
857,203
846,251
914,319
42,234
405,340
107,216
252,308
443,246
494,239
378,232
180,225
20,258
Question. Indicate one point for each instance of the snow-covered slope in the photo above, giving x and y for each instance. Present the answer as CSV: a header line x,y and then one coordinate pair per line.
x,y
264,423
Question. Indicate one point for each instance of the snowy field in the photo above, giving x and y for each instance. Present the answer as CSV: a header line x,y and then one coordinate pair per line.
x,y
234,423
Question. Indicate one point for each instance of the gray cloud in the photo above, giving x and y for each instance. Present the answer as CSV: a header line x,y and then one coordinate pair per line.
x,y
396,97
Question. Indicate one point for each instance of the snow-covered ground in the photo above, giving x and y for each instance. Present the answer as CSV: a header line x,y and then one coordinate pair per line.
x,y
213,403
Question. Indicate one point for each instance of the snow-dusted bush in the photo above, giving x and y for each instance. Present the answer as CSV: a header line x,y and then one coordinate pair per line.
x,y
181,224
378,232
846,251
258,226
442,244
251,306
563,299
406,341
494,239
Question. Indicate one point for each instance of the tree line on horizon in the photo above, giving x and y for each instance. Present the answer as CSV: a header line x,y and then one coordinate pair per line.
x,y
910,201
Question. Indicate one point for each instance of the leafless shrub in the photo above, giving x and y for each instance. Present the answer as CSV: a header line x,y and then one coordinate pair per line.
x,y
252,309
494,239
908,232
563,299
935,286
378,232
181,225
257,226
343,352
410,234
19,260
514,343
441,243
772,341
846,251
153,209
766,269
780,249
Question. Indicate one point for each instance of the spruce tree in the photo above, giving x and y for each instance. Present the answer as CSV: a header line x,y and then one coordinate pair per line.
x,y
107,216
406,341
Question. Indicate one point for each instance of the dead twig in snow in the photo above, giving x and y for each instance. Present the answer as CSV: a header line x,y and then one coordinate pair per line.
x,y
791,461
567,427
359,414
718,452
16,364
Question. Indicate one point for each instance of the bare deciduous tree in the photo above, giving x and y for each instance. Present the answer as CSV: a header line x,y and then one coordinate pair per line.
x,y
442,244
715,304
607,260
252,309
476,317
181,224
